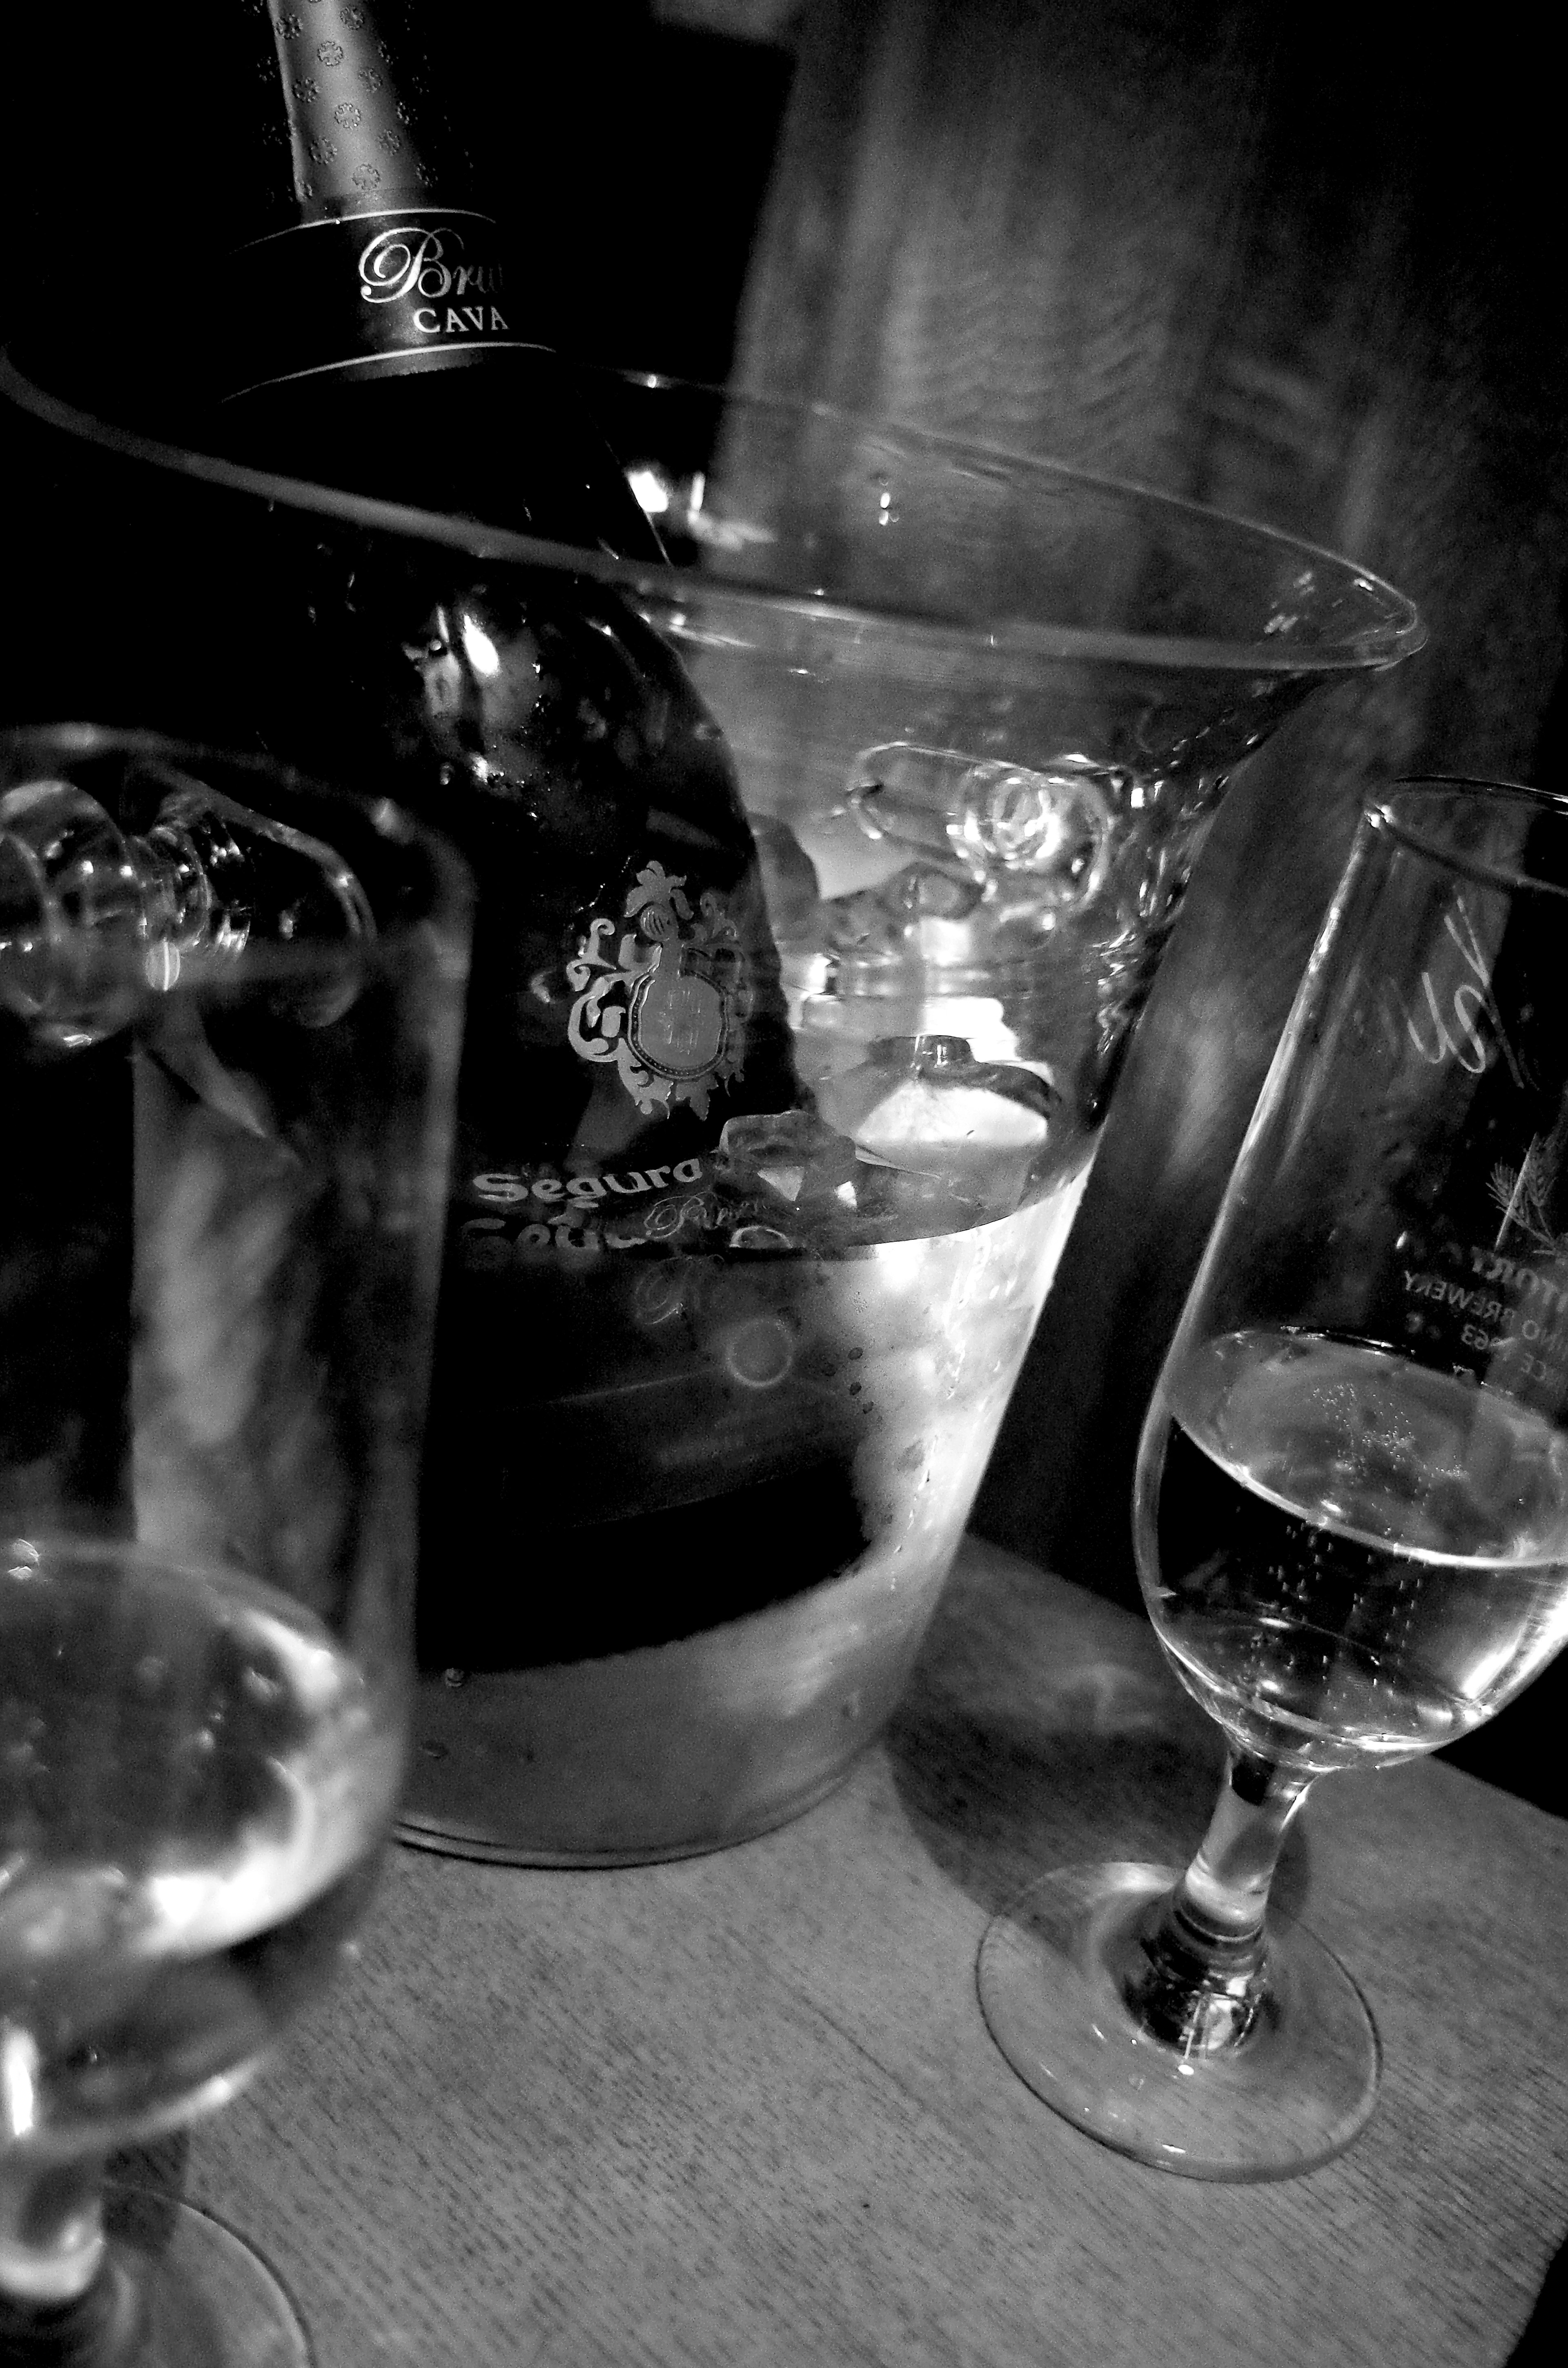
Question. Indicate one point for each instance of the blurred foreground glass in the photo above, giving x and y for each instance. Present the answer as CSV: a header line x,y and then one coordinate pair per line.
x,y
228,1014
1351,1505
679,1554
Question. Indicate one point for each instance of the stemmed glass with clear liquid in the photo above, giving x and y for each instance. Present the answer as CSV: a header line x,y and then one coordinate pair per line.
x,y
1351,1501
229,1013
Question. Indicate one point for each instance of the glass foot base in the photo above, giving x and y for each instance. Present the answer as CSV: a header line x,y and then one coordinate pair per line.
x,y
1288,2096
177,2290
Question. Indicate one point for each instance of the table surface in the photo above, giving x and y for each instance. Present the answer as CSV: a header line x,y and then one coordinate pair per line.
x,y
744,2108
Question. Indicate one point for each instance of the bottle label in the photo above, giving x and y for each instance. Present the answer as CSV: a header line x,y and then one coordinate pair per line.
x,y
511,1216
420,286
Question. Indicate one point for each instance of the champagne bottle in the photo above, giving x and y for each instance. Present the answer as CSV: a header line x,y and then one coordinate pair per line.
x,y
624,1002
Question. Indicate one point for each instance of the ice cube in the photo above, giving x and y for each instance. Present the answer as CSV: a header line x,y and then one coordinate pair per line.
x,y
991,818
901,1204
789,881
791,1155
900,914
924,1106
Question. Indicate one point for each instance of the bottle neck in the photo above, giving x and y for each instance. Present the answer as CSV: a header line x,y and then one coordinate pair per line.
x,y
385,269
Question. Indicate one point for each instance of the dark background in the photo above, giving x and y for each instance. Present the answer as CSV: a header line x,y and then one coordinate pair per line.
x,y
1303,265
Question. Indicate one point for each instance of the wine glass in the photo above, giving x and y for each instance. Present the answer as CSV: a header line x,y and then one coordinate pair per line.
x,y
229,1011
1351,1502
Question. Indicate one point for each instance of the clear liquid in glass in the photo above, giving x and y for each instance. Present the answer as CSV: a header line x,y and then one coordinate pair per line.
x,y
1348,1557
195,1782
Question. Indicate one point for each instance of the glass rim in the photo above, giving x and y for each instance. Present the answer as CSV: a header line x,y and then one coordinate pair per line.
x,y
1394,631
1392,813
447,907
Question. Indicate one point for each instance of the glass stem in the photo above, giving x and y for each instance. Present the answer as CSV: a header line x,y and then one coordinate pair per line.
x,y
1197,1974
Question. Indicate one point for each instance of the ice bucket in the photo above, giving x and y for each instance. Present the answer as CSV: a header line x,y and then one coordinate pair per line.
x,y
736,1406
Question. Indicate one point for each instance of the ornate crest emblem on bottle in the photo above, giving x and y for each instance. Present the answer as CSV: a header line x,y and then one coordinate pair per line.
x,y
669,1007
